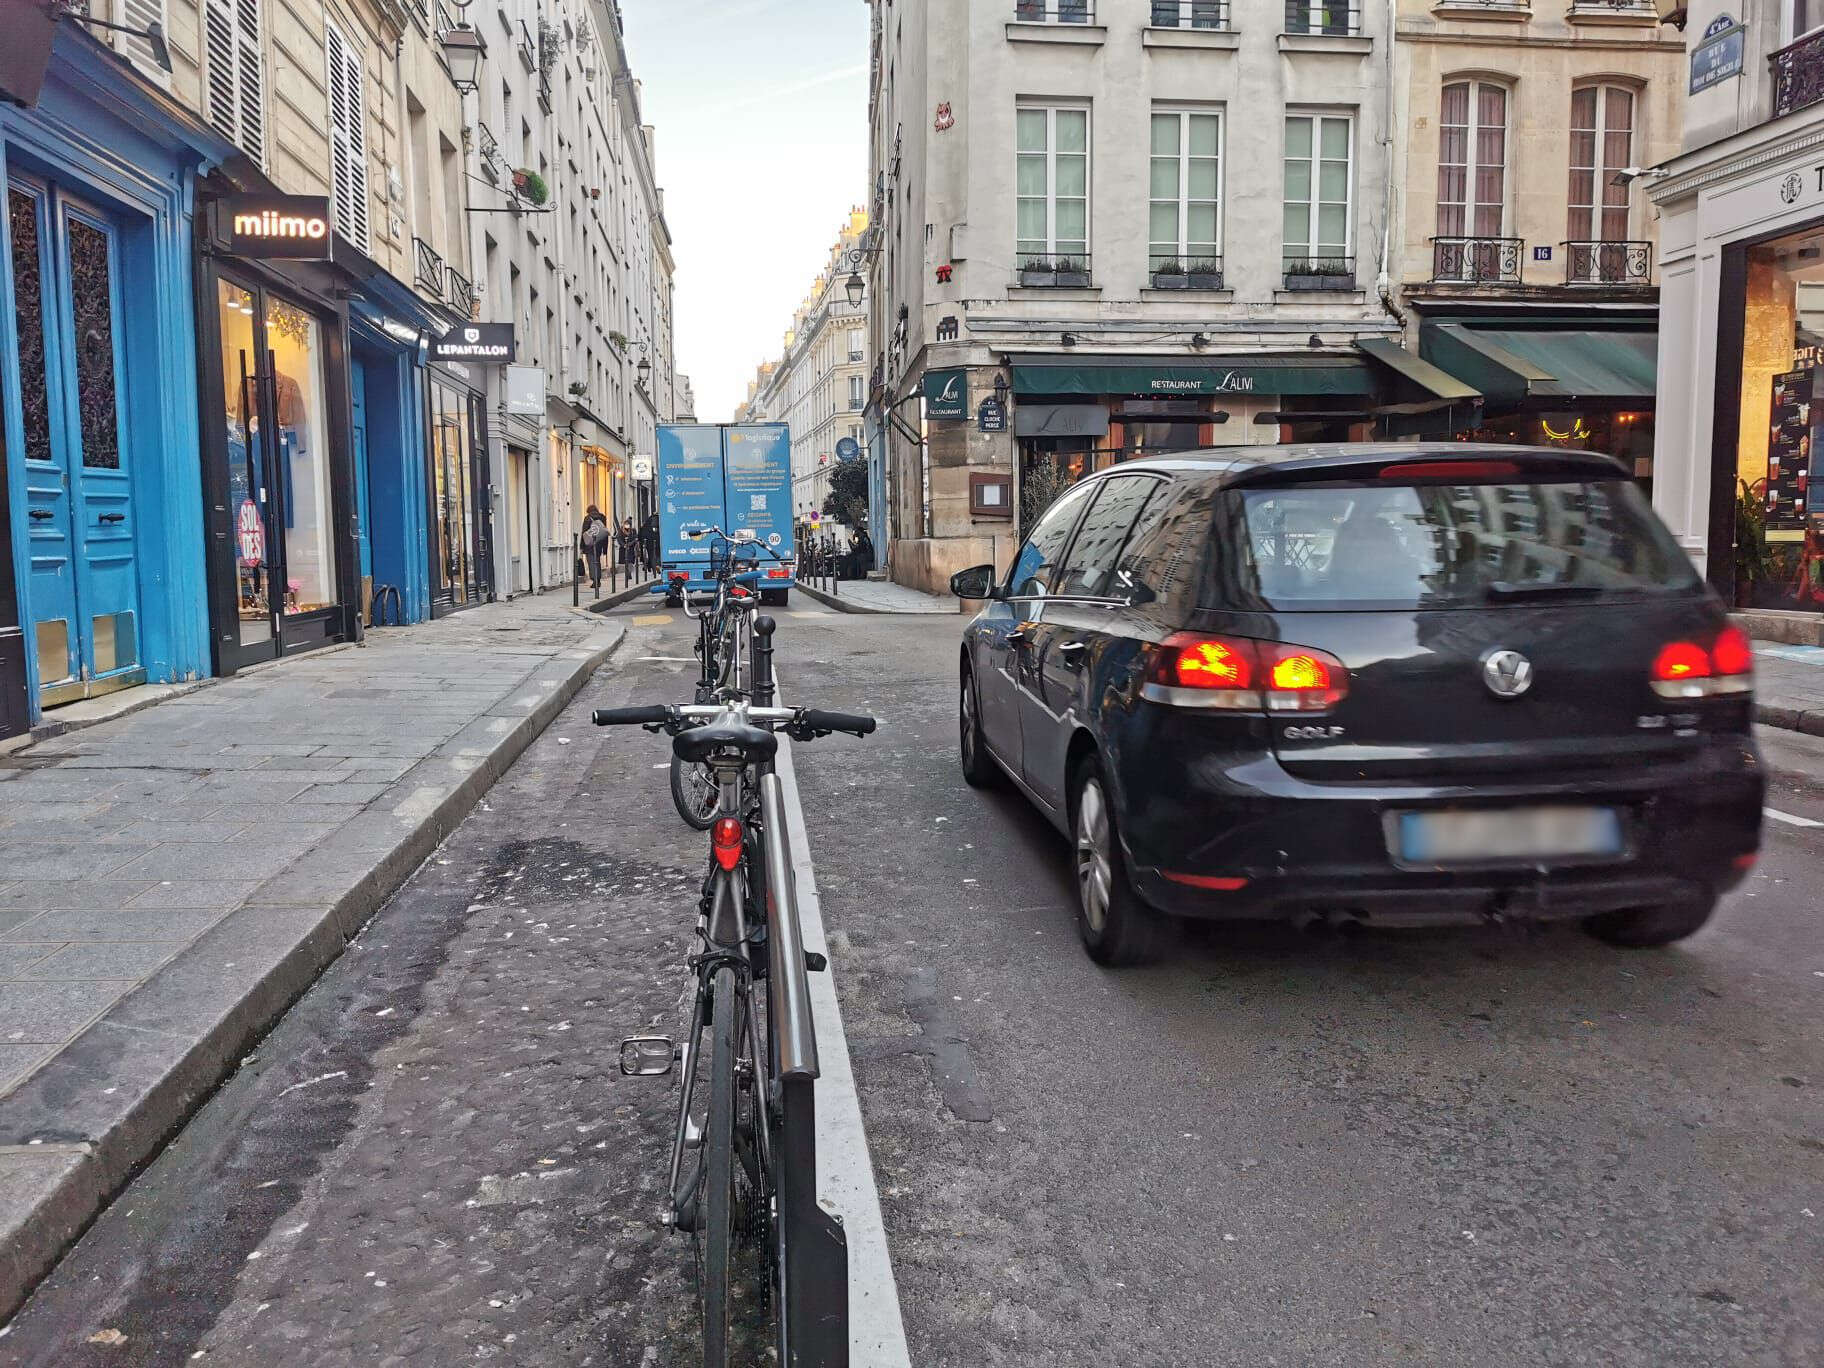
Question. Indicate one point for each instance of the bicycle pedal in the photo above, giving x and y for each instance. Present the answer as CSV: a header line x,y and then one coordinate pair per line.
x,y
815,962
647,1056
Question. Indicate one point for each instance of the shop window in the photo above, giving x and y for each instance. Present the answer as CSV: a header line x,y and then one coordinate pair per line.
x,y
1779,521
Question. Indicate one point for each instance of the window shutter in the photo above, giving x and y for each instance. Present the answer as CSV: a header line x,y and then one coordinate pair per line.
x,y
236,90
140,14
347,139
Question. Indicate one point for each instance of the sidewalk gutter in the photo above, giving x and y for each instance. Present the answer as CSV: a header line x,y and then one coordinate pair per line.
x,y
68,1143
847,605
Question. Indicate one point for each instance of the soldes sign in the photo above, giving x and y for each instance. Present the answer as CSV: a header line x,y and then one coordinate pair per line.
x,y
274,227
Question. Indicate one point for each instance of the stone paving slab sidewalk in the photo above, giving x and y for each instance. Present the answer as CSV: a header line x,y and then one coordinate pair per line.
x,y
171,880
1789,686
880,596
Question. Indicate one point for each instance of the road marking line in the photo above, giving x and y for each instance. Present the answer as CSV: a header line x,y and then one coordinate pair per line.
x,y
1791,820
672,660
845,1173
651,619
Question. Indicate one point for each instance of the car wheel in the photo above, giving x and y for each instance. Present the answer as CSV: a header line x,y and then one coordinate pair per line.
x,y
1116,927
1642,928
978,766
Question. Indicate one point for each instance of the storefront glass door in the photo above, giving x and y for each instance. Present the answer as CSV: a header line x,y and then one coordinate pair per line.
x,y
459,493
278,462
84,585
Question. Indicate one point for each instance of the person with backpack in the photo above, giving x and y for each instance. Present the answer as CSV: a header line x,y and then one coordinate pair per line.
x,y
595,535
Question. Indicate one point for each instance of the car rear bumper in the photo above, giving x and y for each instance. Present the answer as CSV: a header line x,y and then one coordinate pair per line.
x,y
1281,846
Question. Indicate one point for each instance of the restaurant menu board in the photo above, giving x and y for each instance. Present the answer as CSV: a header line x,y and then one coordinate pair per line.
x,y
1789,454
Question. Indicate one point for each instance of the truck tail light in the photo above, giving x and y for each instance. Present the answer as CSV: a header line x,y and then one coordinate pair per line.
x,y
779,572
1239,674
1688,669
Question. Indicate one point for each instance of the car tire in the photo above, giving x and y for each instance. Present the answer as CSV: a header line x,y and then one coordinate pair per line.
x,y
1116,926
979,769
1644,928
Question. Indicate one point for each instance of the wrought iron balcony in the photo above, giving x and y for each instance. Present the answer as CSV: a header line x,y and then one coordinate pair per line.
x,y
1614,262
1054,11
1195,14
1330,18
462,294
493,165
430,268
1798,74
1477,260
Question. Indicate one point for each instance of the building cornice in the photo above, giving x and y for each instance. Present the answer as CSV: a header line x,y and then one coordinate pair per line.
x,y
1410,32
1733,158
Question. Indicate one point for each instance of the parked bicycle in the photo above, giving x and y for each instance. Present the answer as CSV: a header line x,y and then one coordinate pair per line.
x,y
724,641
743,1160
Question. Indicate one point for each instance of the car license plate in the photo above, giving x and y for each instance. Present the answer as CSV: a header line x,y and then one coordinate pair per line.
x,y
1507,835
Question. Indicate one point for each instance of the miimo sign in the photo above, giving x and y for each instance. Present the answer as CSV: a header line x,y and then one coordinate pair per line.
x,y
271,227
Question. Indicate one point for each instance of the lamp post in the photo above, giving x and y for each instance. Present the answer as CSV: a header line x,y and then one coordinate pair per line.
x,y
463,51
855,289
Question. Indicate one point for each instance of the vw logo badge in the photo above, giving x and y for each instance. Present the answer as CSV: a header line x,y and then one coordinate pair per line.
x,y
1508,674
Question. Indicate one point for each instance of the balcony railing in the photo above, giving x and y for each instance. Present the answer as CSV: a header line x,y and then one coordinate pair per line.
x,y
1330,18
1614,262
1798,74
528,47
1060,270
462,293
1477,260
493,165
1055,11
430,268
1196,14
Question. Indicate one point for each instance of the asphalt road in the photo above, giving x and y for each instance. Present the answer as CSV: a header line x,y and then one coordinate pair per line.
x,y
1442,1148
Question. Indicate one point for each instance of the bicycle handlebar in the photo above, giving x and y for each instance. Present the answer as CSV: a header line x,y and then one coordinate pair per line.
x,y
802,723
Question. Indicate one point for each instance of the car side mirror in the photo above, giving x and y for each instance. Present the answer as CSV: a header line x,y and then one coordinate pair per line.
x,y
977,582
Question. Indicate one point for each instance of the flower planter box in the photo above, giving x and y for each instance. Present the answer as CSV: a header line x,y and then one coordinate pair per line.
x,y
1205,280
1076,280
1319,282
1171,280
1032,276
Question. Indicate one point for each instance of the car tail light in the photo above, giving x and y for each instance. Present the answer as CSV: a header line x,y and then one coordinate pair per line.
x,y
1688,669
725,839
1244,675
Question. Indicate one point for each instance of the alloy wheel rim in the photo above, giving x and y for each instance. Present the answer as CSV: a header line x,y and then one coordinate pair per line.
x,y
1095,867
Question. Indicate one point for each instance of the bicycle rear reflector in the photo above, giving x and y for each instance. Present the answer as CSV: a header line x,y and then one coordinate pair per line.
x,y
726,840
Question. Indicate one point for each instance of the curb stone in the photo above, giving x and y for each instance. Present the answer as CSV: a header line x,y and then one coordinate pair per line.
x,y
67,1146
842,605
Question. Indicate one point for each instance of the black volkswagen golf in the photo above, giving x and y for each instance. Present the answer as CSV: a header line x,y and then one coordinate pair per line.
x,y
1398,685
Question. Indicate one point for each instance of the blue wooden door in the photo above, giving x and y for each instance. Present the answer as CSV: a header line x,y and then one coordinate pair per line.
x,y
83,588
357,388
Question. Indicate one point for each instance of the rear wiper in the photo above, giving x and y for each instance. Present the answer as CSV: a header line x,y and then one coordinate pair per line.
x,y
1525,589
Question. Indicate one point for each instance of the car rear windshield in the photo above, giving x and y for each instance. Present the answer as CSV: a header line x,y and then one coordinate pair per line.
x,y
1434,545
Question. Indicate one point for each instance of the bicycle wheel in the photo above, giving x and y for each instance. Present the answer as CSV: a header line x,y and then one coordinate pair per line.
x,y
716,1191
693,791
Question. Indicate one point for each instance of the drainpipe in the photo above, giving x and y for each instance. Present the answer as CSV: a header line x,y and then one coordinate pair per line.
x,y
1383,283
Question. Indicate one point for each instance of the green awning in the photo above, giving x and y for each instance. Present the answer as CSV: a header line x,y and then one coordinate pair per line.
x,y
1511,364
1164,377
1420,372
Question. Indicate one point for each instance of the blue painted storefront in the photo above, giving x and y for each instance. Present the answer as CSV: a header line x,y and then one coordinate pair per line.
x,y
389,332
103,479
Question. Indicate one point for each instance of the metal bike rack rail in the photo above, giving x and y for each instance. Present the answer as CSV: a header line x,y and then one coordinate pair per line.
x,y
811,1247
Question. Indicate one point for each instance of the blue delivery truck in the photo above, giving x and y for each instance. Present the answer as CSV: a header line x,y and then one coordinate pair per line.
x,y
735,476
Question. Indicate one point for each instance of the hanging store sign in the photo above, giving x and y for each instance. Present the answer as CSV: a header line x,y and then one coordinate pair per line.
x,y
489,342
947,394
278,227
642,467
1718,55
526,390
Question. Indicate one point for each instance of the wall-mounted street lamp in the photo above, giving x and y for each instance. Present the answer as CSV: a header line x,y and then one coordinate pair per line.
x,y
463,51
643,370
153,34
855,289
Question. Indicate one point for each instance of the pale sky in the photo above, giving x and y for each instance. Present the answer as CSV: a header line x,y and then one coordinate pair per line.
x,y
761,116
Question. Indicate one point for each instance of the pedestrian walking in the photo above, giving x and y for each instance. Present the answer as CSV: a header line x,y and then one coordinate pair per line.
x,y
595,535
628,539
861,554
649,543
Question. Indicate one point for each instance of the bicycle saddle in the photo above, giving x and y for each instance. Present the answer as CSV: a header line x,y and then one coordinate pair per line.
x,y
697,744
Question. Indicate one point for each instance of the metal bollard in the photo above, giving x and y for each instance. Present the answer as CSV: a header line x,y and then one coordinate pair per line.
x,y
576,574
